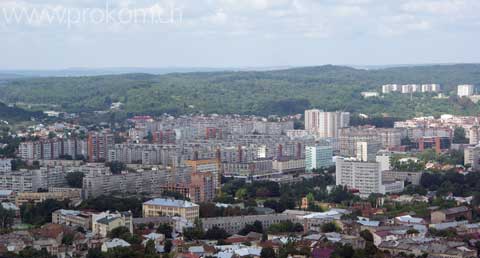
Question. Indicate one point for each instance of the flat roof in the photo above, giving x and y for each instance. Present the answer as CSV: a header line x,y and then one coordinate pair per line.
x,y
171,203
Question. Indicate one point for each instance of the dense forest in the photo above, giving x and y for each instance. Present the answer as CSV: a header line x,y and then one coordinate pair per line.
x,y
266,92
14,114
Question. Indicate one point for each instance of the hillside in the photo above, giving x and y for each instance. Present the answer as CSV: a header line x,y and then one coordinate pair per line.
x,y
14,114
266,92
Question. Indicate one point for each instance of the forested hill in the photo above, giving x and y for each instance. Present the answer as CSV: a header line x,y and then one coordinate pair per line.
x,y
266,92
14,114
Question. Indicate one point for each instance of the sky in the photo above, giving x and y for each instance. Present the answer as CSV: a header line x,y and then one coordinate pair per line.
x,y
58,34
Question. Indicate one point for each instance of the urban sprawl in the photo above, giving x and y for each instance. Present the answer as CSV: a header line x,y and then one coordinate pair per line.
x,y
306,185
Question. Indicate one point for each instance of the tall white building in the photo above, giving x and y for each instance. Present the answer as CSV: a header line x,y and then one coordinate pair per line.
x,y
5,165
465,90
367,151
312,117
318,157
365,177
326,124
472,157
388,88
430,88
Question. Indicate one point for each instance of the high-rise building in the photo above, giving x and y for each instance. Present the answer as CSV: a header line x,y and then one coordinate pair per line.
x,y
474,135
51,149
430,88
312,117
389,88
212,166
5,165
365,177
202,187
325,124
349,137
472,157
318,156
98,146
465,90
367,151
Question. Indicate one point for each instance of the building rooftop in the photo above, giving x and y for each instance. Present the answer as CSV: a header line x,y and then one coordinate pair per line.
x,y
116,242
171,203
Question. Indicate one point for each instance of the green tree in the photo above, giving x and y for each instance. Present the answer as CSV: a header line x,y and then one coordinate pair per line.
x,y
95,253
116,167
150,248
194,233
165,229
6,218
459,135
168,246
329,227
216,233
241,194
268,252
75,179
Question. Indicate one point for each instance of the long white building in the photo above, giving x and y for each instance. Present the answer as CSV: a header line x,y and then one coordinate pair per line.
x,y
365,177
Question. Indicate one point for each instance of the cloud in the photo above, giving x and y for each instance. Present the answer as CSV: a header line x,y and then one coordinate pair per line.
x,y
272,22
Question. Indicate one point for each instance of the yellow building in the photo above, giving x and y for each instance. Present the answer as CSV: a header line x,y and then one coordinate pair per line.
x,y
66,194
160,207
105,222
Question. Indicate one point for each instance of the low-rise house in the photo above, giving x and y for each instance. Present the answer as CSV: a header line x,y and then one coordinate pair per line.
x,y
381,236
447,225
50,236
12,207
113,243
16,241
452,214
72,218
409,220
7,195
434,248
105,222
468,229
248,252
155,237
356,242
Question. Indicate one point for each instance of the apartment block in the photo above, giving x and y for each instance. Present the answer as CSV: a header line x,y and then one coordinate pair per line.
x,y
32,197
147,181
325,124
51,149
234,224
356,175
465,90
317,157
202,188
5,165
98,145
